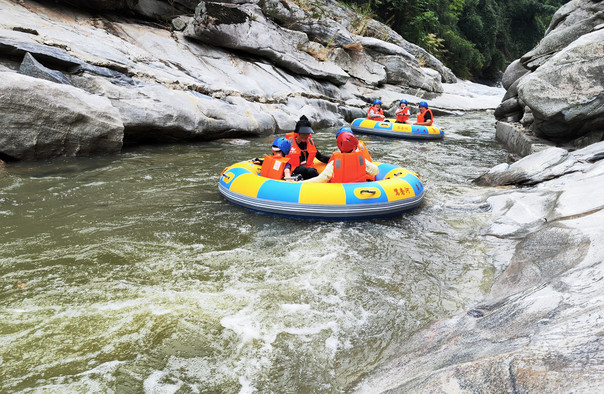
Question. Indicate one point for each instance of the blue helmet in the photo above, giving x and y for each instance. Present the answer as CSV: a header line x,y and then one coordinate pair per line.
x,y
344,129
376,101
423,104
283,144
403,101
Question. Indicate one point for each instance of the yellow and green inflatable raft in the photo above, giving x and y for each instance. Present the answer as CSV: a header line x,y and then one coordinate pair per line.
x,y
389,128
394,191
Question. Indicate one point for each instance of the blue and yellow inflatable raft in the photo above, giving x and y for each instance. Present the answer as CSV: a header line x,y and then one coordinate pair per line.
x,y
388,128
394,191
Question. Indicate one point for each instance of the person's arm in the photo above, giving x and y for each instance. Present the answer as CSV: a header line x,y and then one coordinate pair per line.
x,y
322,158
323,177
371,169
287,172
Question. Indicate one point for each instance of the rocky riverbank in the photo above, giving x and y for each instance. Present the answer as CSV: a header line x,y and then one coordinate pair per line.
x,y
539,328
80,81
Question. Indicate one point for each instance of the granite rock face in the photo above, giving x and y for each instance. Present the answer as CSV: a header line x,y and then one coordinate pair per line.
x,y
45,119
560,82
218,69
538,328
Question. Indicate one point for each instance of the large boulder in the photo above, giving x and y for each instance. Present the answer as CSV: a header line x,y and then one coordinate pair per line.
x,y
253,70
245,28
541,166
42,119
537,328
571,21
558,85
566,94
154,113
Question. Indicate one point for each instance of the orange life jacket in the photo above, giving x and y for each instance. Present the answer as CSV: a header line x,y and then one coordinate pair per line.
x,y
403,114
295,153
273,167
348,167
364,151
376,111
420,117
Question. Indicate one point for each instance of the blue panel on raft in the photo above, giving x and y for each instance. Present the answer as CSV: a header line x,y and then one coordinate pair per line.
x,y
352,199
414,182
419,129
236,171
384,170
280,191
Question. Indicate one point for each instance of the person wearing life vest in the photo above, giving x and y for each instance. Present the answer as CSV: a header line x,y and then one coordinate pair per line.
x,y
375,111
424,117
348,165
402,112
303,150
276,166
361,147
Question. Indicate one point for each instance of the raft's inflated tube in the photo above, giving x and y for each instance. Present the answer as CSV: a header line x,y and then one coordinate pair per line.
x,y
389,128
394,191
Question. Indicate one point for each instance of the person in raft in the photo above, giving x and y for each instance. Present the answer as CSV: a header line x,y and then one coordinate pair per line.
x,y
276,166
425,117
303,150
375,111
402,112
348,165
361,147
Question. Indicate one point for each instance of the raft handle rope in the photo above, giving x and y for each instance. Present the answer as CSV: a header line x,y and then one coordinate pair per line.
x,y
226,176
367,191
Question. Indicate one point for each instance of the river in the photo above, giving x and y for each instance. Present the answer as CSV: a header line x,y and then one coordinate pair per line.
x,y
131,273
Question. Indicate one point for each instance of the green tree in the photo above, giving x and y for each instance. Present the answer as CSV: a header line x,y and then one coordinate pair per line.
x,y
475,38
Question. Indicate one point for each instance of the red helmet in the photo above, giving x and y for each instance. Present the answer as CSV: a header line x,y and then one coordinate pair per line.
x,y
347,142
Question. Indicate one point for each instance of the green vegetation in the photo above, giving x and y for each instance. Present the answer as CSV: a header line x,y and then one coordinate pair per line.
x,y
475,38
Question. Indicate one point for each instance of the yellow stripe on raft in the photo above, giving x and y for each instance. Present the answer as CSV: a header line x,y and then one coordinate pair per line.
x,y
365,193
323,193
397,189
368,123
247,184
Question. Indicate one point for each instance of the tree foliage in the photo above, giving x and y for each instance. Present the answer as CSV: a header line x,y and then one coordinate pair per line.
x,y
475,38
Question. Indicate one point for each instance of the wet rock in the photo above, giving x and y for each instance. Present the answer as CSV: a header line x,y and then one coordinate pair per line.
x,y
33,68
245,28
570,22
532,169
559,80
43,119
543,254
140,67
512,73
359,65
566,95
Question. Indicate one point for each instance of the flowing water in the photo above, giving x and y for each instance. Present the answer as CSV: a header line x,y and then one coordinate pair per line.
x,y
131,273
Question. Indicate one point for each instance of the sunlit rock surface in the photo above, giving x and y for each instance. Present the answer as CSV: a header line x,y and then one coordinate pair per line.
x,y
232,70
45,119
539,327
560,83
